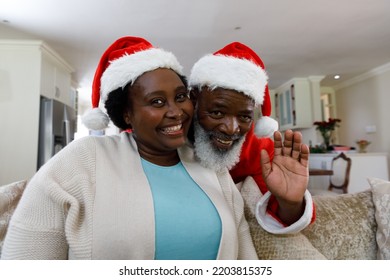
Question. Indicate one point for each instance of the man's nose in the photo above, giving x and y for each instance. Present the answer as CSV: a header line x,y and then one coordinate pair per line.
x,y
230,126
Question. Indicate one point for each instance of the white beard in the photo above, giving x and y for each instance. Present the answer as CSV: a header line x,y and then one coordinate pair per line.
x,y
211,157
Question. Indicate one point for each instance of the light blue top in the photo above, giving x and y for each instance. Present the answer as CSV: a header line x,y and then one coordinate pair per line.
x,y
188,226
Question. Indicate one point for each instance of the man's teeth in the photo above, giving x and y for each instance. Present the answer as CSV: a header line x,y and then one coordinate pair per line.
x,y
226,142
172,128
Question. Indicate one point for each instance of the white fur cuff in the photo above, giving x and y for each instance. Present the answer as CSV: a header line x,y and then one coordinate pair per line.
x,y
270,224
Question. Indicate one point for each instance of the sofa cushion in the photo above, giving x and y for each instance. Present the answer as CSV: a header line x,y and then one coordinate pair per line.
x,y
270,246
345,228
381,198
9,197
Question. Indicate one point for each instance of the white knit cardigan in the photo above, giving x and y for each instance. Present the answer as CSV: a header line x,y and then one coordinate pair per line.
x,y
92,201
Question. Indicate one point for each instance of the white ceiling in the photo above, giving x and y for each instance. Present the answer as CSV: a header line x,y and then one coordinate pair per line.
x,y
297,38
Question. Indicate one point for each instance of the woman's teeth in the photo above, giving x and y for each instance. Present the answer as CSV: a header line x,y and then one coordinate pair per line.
x,y
172,128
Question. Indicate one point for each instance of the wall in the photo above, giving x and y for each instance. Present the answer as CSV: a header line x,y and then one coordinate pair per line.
x,y
19,143
361,102
7,32
365,102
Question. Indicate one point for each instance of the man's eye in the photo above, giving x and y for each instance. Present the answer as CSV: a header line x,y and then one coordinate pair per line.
x,y
246,118
216,114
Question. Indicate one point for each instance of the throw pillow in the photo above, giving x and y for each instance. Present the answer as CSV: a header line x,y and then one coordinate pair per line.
x,y
9,197
271,246
345,226
381,198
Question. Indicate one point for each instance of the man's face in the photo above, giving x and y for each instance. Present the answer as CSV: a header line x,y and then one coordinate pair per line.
x,y
222,119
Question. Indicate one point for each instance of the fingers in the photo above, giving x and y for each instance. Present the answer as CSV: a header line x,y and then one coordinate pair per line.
x,y
297,144
278,144
265,163
304,157
291,146
288,142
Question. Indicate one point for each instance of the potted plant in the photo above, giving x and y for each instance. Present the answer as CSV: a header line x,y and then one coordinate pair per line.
x,y
362,145
326,129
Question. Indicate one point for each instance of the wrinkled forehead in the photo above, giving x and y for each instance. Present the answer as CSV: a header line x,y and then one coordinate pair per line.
x,y
208,95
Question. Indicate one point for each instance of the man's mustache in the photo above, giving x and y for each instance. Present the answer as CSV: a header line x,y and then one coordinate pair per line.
x,y
225,137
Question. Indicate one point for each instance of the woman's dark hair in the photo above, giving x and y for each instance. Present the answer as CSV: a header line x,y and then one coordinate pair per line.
x,y
118,102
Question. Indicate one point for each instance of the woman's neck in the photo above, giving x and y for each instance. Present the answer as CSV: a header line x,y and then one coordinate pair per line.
x,y
168,159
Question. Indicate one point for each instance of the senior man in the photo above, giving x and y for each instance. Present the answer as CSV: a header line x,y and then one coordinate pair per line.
x,y
226,87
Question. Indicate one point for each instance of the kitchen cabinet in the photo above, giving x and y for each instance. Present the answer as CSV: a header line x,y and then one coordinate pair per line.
x,y
29,70
55,78
292,104
364,165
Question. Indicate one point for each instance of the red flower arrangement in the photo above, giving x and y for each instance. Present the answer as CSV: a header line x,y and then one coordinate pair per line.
x,y
325,126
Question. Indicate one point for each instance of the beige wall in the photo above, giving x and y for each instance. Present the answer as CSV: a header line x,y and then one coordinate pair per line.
x,y
366,102
19,113
7,32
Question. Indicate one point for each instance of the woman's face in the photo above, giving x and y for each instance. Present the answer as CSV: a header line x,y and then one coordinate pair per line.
x,y
160,113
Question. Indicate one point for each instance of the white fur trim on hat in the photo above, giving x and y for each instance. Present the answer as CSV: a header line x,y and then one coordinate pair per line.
x,y
265,127
95,119
128,68
230,73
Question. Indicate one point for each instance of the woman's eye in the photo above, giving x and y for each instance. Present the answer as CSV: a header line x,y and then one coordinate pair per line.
x,y
182,96
157,102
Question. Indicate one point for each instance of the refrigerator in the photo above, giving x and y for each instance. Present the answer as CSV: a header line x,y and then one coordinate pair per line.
x,y
57,125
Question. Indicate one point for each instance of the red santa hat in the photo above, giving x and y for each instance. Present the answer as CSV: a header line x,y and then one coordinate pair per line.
x,y
122,63
237,67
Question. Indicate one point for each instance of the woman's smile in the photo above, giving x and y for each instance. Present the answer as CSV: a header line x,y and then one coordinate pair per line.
x,y
176,130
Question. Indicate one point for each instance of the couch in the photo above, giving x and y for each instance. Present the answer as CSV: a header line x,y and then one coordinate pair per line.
x,y
348,226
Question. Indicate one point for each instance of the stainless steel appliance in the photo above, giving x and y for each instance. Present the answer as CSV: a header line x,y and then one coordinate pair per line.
x,y
57,125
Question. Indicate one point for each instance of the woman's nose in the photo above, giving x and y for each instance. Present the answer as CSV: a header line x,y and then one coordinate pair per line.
x,y
174,111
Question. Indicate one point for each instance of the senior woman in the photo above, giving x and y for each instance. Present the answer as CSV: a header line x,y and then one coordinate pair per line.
x,y
136,195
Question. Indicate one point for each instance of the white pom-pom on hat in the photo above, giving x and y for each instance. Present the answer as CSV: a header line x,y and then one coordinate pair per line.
x,y
95,119
122,63
265,127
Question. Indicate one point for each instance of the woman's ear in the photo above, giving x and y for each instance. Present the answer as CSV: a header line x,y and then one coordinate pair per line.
x,y
127,118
